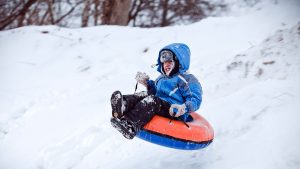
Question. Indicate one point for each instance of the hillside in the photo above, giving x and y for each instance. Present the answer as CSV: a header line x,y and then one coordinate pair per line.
x,y
56,84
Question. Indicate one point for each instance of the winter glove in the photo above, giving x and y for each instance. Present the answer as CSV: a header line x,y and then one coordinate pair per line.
x,y
142,78
177,110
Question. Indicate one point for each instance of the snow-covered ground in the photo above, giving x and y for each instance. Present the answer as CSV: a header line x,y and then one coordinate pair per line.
x,y
56,85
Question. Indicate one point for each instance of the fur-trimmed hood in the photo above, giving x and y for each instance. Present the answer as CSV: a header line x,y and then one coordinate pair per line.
x,y
182,53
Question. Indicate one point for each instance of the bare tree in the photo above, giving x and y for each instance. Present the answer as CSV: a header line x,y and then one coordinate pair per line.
x,y
18,13
159,13
18,10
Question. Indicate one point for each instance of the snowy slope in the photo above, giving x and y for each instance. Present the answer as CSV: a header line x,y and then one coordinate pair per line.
x,y
56,84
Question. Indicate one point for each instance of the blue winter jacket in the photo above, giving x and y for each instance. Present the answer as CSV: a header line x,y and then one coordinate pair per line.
x,y
180,88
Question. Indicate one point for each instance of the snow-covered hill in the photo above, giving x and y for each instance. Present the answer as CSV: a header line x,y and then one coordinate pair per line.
x,y
56,84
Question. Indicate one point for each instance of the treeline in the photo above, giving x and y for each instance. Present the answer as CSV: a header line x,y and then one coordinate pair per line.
x,y
83,13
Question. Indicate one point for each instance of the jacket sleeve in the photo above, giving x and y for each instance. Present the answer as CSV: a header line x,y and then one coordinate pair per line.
x,y
191,90
151,88
151,85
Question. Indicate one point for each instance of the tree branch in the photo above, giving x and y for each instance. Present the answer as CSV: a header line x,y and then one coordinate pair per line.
x,y
21,13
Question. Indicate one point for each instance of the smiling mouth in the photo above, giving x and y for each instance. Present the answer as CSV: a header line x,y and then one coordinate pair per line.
x,y
168,68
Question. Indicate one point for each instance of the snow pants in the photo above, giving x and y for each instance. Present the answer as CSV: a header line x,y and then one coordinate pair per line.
x,y
141,108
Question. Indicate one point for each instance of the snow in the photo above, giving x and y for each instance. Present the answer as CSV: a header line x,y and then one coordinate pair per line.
x,y
56,85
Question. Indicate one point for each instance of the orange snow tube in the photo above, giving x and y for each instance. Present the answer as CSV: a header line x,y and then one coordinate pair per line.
x,y
193,135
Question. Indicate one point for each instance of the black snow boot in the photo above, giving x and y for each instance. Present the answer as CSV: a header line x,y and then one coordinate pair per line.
x,y
117,104
124,127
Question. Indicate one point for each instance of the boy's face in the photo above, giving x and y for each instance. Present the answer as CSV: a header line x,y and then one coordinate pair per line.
x,y
168,67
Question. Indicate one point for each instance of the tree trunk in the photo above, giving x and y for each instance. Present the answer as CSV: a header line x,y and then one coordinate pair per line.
x,y
116,12
86,13
164,20
97,12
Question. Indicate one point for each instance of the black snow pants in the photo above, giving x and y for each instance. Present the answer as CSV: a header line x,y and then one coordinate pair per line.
x,y
141,108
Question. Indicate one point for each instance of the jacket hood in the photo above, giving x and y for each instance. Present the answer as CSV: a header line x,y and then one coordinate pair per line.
x,y
182,53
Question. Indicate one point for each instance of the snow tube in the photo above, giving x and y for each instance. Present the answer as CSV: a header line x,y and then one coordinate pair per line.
x,y
197,134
